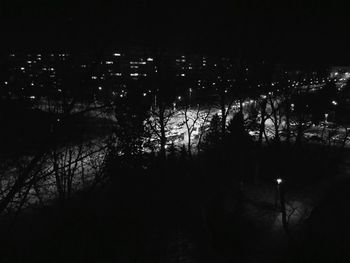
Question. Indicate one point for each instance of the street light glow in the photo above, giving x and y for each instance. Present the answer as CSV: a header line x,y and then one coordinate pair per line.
x,y
279,180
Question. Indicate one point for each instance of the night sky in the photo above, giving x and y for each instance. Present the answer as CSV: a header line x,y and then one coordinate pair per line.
x,y
292,31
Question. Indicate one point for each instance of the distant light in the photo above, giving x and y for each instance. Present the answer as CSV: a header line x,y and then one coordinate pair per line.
x,y
334,102
58,120
94,77
144,94
117,54
6,82
59,90
279,180
134,74
121,95
32,97
179,97
182,75
109,62
100,88
32,84
22,68
149,59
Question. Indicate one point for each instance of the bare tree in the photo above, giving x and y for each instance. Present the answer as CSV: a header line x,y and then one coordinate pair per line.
x,y
190,121
158,126
204,122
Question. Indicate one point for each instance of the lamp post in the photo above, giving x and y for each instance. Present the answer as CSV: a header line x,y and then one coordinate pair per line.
x,y
281,194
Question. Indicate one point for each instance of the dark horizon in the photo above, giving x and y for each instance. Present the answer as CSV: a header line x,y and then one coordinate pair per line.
x,y
310,33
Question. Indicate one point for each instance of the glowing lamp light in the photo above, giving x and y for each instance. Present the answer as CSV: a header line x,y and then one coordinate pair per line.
x,y
179,97
279,180
334,102
99,88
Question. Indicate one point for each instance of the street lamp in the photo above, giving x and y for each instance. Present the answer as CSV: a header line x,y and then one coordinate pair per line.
x,y
280,190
